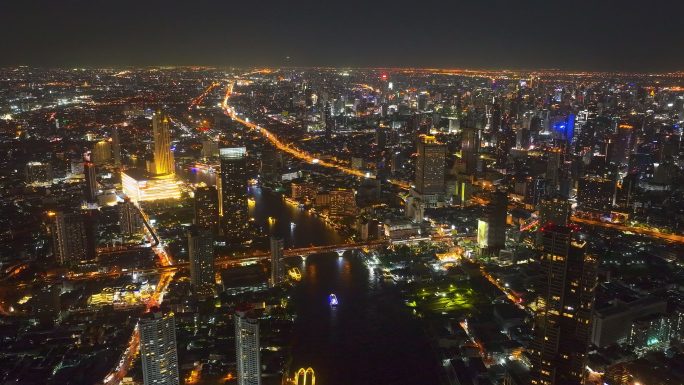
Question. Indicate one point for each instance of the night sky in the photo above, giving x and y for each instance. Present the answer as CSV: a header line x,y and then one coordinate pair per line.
x,y
575,35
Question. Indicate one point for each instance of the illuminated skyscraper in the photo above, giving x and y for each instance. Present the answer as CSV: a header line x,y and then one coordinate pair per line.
x,y
207,207
72,236
158,348
563,318
277,262
234,194
430,166
201,251
247,349
163,156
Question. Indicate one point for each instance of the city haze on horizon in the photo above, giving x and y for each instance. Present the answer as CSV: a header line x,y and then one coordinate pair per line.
x,y
492,34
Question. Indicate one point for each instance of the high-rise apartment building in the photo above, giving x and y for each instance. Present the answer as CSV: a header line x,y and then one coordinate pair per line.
x,y
158,350
38,173
72,237
277,262
247,349
163,156
563,318
101,153
207,207
130,218
342,203
234,221
201,251
491,227
430,166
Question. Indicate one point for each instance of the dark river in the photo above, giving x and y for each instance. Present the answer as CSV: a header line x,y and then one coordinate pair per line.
x,y
369,338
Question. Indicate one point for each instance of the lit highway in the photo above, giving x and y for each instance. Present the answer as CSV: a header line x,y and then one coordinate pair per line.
x,y
671,237
287,147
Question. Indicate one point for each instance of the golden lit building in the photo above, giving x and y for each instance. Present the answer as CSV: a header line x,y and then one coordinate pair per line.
x,y
140,186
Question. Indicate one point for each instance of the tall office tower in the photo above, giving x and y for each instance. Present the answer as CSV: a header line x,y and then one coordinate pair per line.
x,y
158,351
553,168
563,327
470,148
430,166
234,194
522,140
495,118
422,102
116,147
90,182
491,227
552,211
329,121
72,236
621,146
163,156
201,251
101,153
247,347
130,219
207,208
277,262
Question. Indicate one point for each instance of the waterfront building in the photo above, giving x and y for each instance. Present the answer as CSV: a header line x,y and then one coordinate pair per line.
x,y
233,179
163,155
140,186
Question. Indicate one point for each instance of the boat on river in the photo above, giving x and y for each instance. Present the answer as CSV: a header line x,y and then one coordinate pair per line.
x,y
295,274
333,300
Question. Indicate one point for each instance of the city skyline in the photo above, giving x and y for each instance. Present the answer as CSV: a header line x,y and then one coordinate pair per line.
x,y
207,225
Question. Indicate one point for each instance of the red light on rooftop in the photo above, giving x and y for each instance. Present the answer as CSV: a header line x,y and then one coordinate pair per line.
x,y
384,76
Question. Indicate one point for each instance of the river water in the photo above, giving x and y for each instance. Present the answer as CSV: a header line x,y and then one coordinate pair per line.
x,y
370,337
